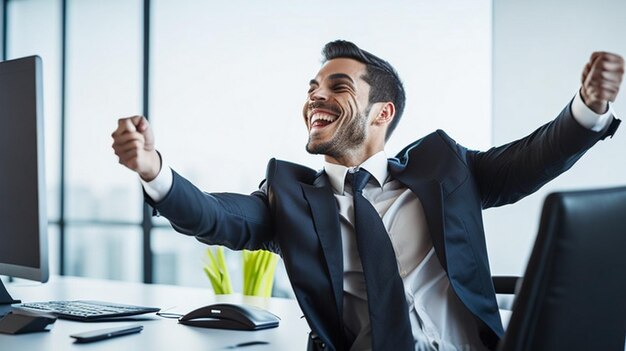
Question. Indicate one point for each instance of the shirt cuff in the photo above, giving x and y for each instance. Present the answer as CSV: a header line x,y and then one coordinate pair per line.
x,y
158,187
588,118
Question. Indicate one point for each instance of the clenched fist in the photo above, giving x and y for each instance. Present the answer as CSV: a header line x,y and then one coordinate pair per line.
x,y
133,142
601,79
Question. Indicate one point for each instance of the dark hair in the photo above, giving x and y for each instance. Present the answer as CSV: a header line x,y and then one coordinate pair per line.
x,y
380,75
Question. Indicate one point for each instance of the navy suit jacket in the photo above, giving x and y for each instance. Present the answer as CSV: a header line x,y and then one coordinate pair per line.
x,y
294,214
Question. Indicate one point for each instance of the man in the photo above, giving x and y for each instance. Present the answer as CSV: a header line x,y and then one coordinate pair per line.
x,y
419,278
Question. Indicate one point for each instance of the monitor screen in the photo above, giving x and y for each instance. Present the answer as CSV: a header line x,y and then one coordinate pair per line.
x,y
23,221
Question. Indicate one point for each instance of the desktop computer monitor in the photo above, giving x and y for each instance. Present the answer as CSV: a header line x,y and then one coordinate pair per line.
x,y
23,220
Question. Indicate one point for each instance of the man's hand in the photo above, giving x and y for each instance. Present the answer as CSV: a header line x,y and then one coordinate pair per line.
x,y
133,142
601,79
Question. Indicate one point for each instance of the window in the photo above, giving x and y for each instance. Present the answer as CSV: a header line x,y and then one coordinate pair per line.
x,y
227,84
34,28
229,79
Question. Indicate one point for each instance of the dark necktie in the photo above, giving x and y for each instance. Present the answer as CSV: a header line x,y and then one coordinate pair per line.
x,y
388,310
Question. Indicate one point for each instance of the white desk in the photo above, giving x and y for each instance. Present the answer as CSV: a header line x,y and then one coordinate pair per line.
x,y
159,333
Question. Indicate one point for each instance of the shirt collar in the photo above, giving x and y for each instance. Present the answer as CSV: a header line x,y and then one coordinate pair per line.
x,y
376,165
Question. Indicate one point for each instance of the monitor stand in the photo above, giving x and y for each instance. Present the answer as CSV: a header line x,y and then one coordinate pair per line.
x,y
5,297
5,301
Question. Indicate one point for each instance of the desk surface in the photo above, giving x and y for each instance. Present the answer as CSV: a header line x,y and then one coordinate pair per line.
x,y
159,333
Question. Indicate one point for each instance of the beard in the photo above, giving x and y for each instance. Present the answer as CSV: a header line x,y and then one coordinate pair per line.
x,y
347,137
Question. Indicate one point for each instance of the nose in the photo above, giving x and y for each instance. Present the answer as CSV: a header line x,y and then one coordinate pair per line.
x,y
318,94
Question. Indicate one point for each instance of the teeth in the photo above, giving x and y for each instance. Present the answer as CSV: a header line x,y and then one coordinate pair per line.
x,y
323,116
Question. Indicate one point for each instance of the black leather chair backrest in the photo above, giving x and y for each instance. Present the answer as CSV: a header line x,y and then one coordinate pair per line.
x,y
573,296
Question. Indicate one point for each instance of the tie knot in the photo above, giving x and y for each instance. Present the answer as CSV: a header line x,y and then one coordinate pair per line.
x,y
358,180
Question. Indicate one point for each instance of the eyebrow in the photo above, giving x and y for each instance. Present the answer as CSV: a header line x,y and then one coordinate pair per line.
x,y
334,76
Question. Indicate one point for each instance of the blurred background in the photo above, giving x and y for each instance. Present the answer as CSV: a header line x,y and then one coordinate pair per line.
x,y
223,84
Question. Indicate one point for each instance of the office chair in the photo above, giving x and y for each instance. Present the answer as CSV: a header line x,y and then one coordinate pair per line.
x,y
573,294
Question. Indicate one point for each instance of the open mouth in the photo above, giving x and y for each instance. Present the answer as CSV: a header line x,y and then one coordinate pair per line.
x,y
321,119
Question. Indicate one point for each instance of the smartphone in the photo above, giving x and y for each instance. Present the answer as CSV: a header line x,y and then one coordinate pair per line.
x,y
108,333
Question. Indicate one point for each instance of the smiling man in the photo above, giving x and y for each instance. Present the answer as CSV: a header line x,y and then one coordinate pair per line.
x,y
337,113
382,253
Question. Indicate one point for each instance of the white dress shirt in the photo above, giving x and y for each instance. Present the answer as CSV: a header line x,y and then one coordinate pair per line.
x,y
438,319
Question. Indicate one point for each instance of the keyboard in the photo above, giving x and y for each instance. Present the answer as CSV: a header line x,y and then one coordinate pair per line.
x,y
87,311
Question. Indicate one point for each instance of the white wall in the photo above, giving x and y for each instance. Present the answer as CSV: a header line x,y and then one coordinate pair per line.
x,y
539,50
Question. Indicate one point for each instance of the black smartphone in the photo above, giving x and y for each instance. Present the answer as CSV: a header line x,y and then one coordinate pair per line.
x,y
102,334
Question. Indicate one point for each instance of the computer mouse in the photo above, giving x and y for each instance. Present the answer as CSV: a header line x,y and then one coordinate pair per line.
x,y
230,316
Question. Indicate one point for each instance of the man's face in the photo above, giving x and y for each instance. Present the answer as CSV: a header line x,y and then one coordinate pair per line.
x,y
337,108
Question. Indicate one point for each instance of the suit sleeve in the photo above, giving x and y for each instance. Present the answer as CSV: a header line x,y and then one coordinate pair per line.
x,y
507,173
236,221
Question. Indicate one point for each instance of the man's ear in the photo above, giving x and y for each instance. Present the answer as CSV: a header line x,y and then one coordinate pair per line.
x,y
386,113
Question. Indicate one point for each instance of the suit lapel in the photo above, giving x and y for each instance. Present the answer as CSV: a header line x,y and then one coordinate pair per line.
x,y
428,191
326,219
